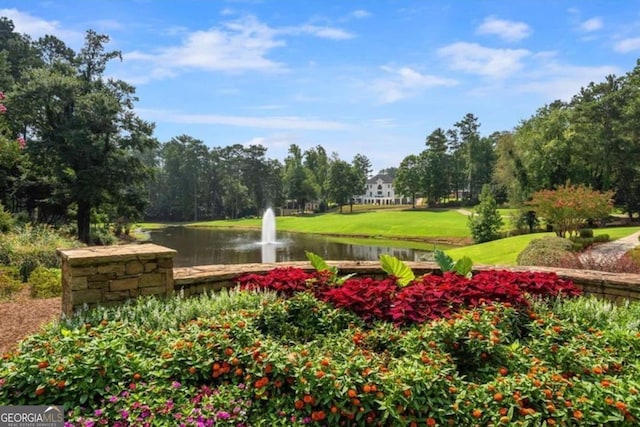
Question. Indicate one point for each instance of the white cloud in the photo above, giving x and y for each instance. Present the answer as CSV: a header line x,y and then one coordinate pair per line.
x,y
405,82
558,81
238,45
274,141
262,122
627,45
243,44
590,25
318,31
510,31
360,14
476,59
36,27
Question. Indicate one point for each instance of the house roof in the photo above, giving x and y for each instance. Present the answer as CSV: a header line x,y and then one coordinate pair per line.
x,y
386,179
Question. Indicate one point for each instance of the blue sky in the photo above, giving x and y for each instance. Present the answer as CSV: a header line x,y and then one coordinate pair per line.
x,y
368,77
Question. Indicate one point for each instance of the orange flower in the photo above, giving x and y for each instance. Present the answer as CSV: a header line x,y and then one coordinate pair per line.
x,y
621,406
42,365
299,404
578,415
352,393
476,413
40,391
431,422
318,415
498,397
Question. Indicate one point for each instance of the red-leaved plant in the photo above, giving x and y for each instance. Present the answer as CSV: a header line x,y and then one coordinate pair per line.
x,y
426,298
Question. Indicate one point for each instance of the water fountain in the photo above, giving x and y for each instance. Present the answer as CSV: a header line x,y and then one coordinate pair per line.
x,y
268,241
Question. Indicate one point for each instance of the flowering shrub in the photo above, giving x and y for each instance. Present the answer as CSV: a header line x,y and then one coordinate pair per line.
x,y
208,361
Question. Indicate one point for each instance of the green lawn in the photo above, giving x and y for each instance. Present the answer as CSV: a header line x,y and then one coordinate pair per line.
x,y
425,224
505,251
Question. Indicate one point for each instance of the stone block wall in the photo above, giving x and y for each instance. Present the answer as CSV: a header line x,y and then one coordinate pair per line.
x,y
109,275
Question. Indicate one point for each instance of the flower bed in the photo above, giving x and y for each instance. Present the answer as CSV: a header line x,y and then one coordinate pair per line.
x,y
443,350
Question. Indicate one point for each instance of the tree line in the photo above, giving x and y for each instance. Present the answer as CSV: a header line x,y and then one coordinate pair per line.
x,y
194,182
592,140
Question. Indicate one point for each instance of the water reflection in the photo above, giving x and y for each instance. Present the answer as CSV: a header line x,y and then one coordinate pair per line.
x,y
202,246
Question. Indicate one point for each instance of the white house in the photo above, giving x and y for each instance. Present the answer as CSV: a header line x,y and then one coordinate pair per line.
x,y
380,191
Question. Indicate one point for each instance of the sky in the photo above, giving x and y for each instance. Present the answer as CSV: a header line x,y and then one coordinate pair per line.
x,y
371,77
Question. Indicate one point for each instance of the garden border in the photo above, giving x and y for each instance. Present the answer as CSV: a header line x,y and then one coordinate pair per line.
x,y
110,275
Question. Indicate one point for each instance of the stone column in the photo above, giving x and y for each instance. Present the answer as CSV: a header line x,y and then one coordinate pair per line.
x,y
110,275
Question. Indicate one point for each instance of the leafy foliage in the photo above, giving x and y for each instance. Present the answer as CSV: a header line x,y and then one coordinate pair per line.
x,y
485,223
10,282
29,247
45,282
568,207
569,362
396,268
548,251
463,266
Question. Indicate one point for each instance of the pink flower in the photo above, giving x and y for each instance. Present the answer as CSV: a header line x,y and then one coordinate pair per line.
x,y
2,96
22,142
3,109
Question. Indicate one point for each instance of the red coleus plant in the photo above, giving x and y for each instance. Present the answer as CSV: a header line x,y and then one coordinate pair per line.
x,y
369,298
426,298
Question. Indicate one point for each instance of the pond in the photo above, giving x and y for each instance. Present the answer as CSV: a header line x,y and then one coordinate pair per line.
x,y
203,246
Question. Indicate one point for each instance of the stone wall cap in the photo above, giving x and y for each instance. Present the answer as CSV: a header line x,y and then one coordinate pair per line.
x,y
115,252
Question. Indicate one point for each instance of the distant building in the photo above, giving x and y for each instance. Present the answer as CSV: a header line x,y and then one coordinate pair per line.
x,y
380,191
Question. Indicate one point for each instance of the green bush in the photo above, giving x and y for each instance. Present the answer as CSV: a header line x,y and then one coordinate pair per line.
x,y
9,282
103,237
46,282
548,251
586,232
6,220
33,246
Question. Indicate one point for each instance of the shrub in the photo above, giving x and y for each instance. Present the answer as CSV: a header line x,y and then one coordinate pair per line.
x,y
45,282
569,207
548,251
586,232
485,225
9,282
33,246
611,263
103,237
525,221
6,220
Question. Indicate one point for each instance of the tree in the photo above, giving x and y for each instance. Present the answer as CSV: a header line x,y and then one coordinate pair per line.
x,y
84,134
409,177
485,223
361,170
298,180
568,207
436,173
341,182
317,162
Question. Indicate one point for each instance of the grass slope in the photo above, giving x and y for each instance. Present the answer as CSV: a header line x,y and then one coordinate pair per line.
x,y
422,224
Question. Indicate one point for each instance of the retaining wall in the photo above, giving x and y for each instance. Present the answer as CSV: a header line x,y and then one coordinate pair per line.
x,y
110,275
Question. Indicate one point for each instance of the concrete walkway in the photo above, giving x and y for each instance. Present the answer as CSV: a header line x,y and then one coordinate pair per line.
x,y
616,248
